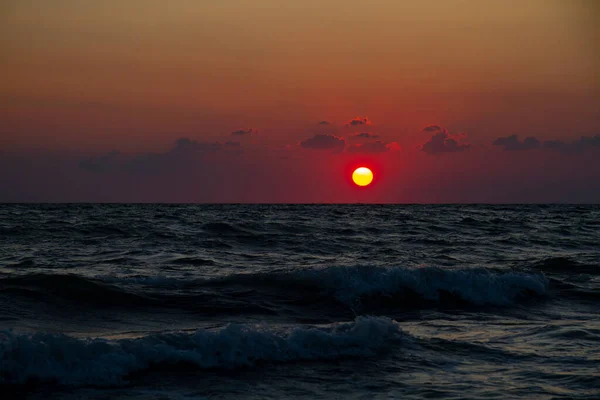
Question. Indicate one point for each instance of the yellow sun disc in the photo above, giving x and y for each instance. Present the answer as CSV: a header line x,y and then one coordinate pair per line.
x,y
362,176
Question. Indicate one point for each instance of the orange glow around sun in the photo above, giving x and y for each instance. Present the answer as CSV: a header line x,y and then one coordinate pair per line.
x,y
362,176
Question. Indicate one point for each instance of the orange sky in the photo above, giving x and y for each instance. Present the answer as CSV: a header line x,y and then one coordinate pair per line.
x,y
187,100
90,73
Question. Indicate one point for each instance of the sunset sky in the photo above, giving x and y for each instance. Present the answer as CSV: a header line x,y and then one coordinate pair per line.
x,y
276,101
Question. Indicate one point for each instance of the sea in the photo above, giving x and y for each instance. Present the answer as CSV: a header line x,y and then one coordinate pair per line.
x,y
357,301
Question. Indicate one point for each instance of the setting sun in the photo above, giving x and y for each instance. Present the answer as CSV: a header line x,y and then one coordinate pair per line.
x,y
362,176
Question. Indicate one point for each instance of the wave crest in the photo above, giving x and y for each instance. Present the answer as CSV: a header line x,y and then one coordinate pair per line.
x,y
477,286
66,360
73,287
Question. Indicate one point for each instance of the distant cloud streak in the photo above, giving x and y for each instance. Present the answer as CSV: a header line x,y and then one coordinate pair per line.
x,y
245,132
184,152
374,147
510,143
102,163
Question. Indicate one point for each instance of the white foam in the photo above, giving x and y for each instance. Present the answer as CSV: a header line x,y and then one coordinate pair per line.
x,y
72,361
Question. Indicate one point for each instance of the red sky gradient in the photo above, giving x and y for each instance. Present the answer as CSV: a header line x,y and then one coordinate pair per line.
x,y
94,97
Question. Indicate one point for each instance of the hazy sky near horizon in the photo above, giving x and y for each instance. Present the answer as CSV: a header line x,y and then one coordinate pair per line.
x,y
96,95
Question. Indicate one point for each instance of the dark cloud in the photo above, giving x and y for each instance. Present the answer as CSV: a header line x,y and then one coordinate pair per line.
x,y
511,143
555,145
365,135
184,152
324,123
444,142
582,144
433,128
359,121
324,142
374,147
188,145
102,163
587,142
244,132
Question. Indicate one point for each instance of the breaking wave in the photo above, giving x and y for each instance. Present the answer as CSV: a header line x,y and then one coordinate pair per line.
x,y
350,284
62,359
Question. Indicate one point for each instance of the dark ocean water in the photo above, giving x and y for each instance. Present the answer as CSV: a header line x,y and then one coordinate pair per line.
x,y
292,301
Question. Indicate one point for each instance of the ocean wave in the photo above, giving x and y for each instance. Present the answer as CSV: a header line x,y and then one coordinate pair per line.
x,y
477,286
108,229
350,285
565,265
62,359
72,287
358,289
222,228
196,261
353,285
